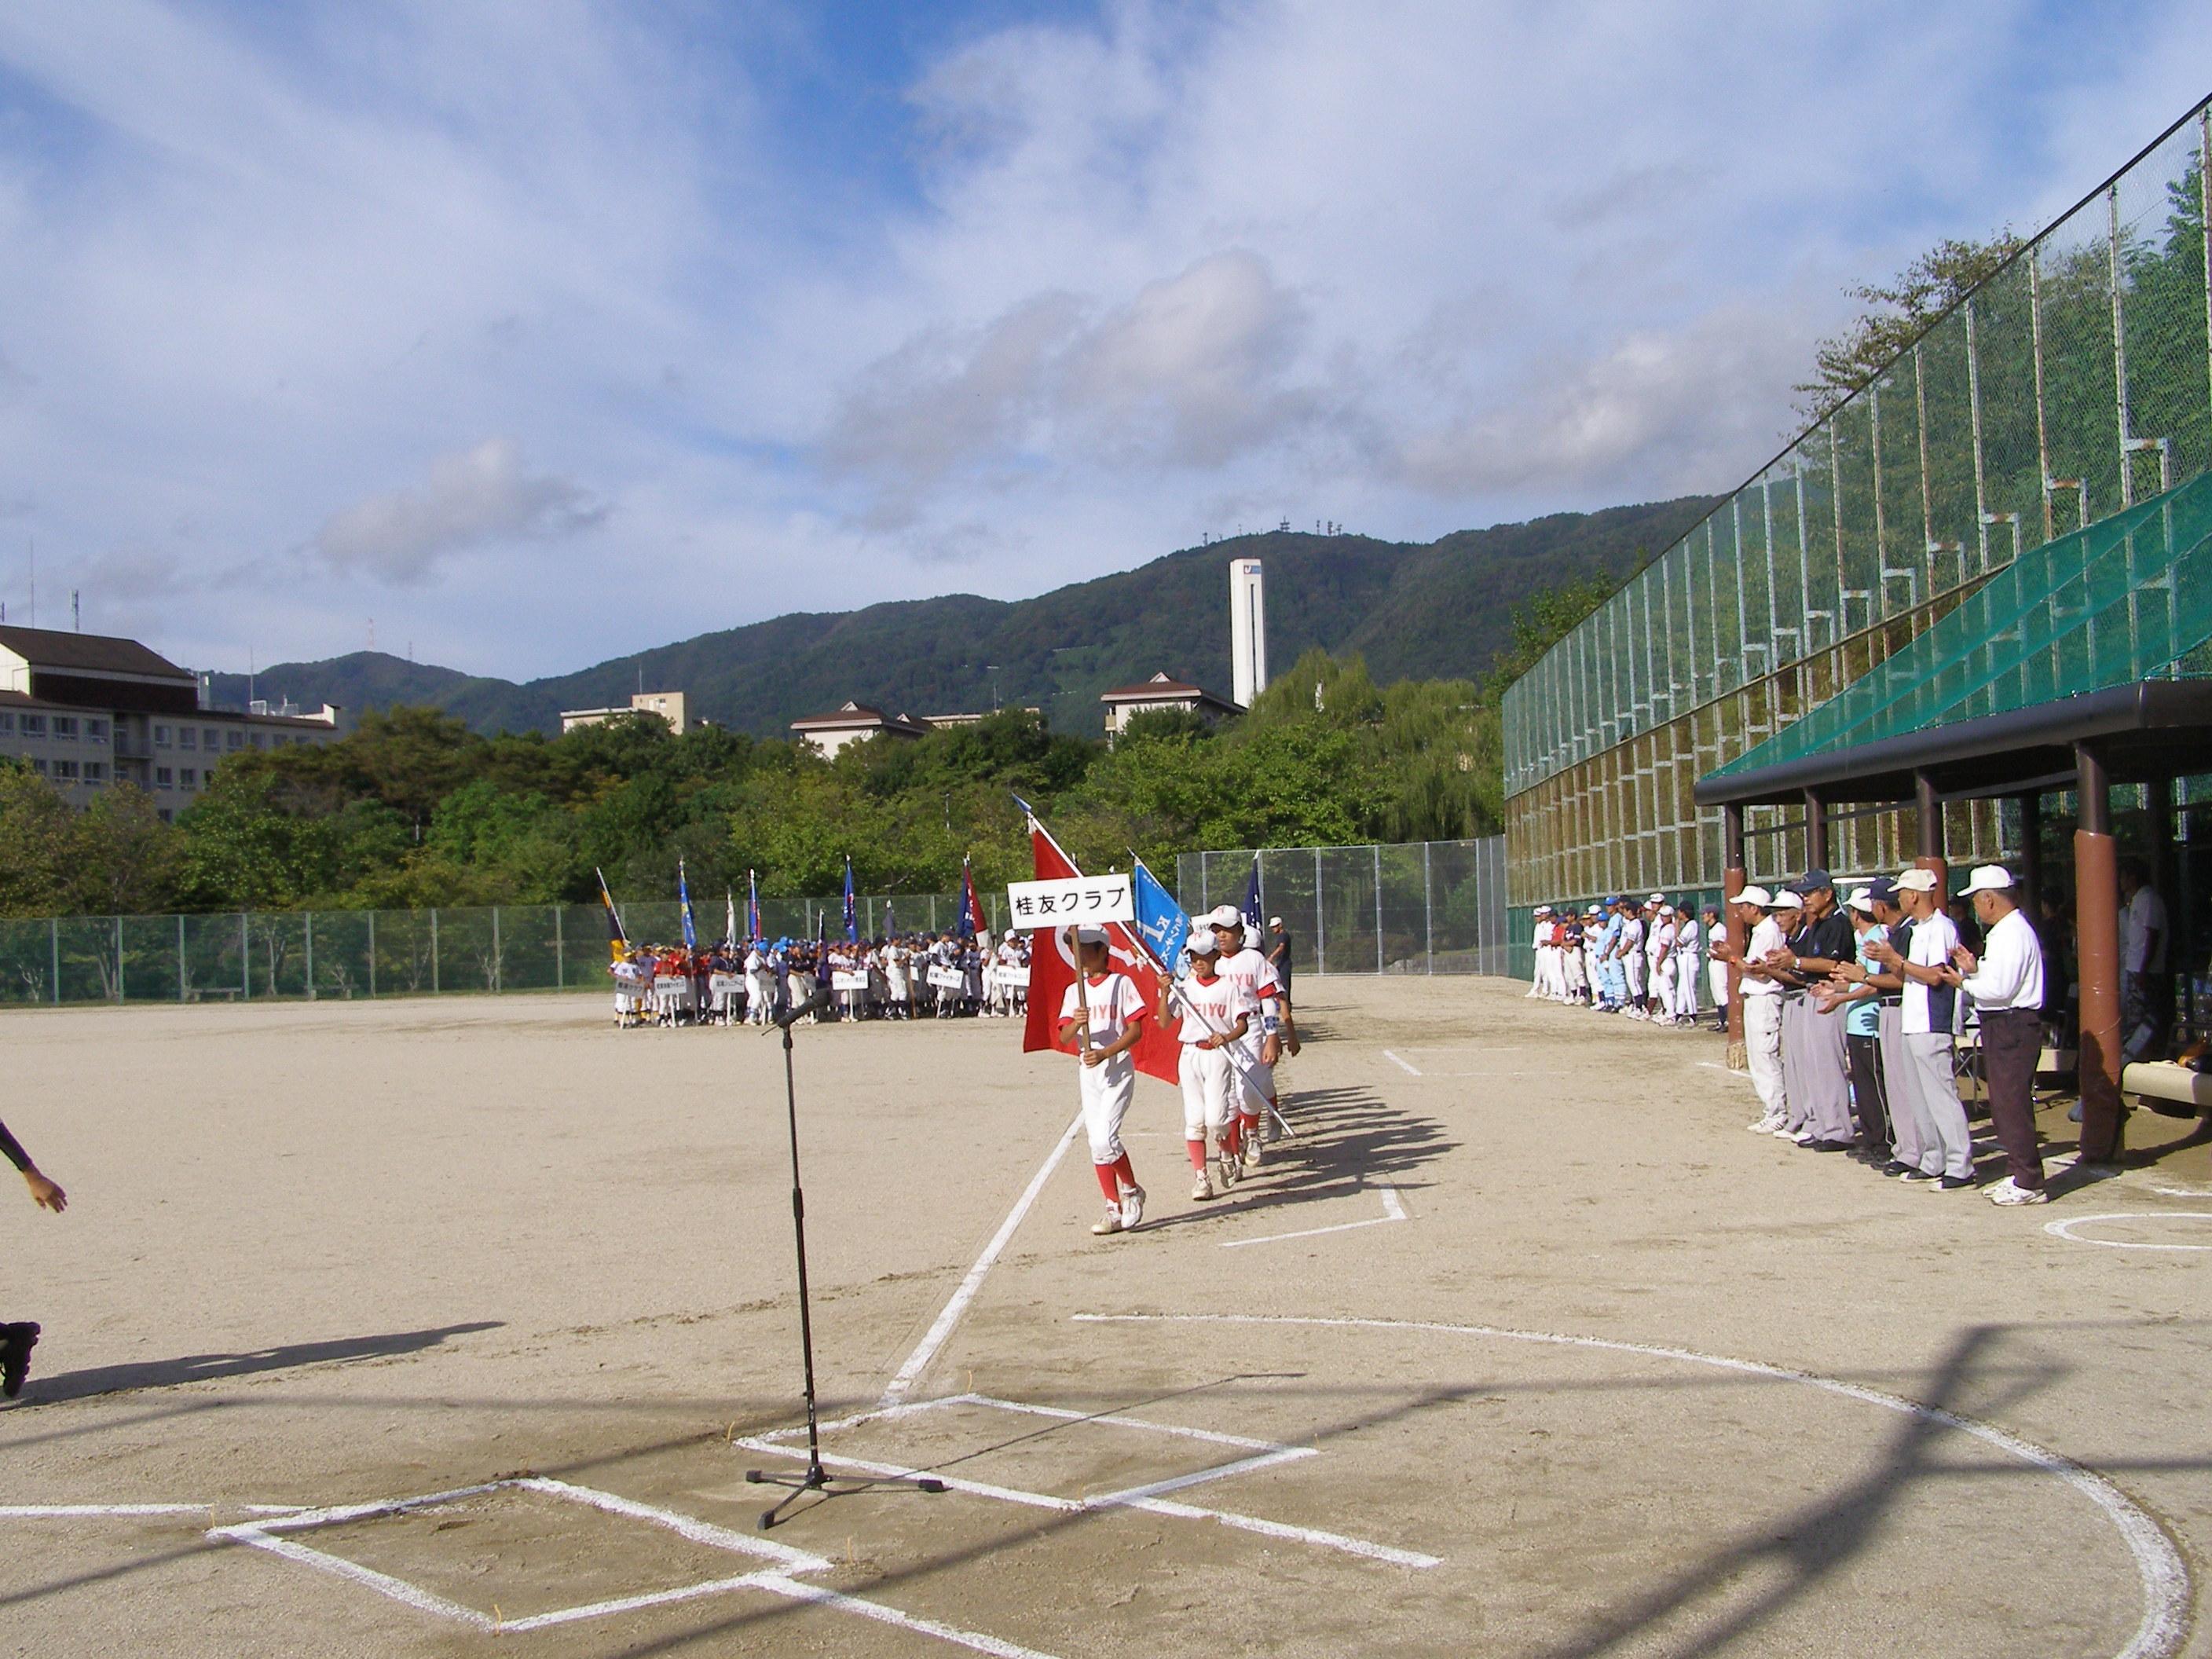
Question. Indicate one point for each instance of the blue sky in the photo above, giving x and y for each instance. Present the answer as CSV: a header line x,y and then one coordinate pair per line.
x,y
540,332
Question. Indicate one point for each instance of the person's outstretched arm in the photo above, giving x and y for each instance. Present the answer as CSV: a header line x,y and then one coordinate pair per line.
x,y
44,1192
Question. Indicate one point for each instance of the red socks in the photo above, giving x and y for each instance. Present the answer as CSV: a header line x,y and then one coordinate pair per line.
x,y
1123,1172
1197,1150
1108,1181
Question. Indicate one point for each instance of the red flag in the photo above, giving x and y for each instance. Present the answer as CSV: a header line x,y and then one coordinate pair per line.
x,y
1052,970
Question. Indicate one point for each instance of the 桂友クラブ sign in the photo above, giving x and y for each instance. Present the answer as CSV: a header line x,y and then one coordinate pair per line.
x,y
1072,902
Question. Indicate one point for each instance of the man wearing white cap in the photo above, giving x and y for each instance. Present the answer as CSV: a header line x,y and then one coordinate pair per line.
x,y
2006,983
1537,942
1689,950
1633,963
1261,1045
1927,1017
1104,1017
1789,907
1762,1005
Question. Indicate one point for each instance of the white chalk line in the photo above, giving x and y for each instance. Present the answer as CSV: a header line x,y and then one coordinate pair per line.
x,y
1150,1497
2158,1566
2184,1192
774,1579
1715,1066
1405,1065
1393,1211
949,1317
83,1511
2066,1229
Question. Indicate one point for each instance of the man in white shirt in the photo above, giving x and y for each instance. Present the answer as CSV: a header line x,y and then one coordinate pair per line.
x,y
1716,965
1542,942
1633,962
1927,1018
2006,985
1661,950
1762,1006
2146,988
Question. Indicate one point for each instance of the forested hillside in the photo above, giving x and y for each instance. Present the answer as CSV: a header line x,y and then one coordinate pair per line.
x,y
1439,610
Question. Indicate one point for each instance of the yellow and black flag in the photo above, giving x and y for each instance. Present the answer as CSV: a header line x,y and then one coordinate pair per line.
x,y
617,941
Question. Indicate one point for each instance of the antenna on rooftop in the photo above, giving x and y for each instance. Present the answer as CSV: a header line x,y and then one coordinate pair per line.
x,y
76,611
372,633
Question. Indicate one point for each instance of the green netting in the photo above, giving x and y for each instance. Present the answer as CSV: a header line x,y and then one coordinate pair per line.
x,y
2130,598
2072,384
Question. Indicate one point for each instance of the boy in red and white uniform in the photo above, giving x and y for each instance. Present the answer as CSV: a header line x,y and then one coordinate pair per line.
x,y
1263,1045
1107,1076
1216,1013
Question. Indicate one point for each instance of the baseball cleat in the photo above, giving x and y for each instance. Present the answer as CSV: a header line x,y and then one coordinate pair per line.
x,y
1110,1222
16,1342
1202,1187
1133,1207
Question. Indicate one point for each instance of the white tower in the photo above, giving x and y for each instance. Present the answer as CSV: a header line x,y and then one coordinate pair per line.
x,y
1247,630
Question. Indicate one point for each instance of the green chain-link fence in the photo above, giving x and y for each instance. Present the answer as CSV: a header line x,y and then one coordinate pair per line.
x,y
252,955
1424,907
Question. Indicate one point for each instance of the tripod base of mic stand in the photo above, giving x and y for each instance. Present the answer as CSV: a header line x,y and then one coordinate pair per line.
x,y
815,1478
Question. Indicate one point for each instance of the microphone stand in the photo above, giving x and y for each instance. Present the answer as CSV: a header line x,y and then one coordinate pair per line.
x,y
815,1478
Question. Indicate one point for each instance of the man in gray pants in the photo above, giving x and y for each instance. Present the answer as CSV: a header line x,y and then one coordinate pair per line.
x,y
1926,1015
1823,944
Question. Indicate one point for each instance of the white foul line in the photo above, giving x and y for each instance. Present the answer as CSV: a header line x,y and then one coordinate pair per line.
x,y
1407,1067
1394,1211
1715,1066
918,1361
2159,1565
2064,1229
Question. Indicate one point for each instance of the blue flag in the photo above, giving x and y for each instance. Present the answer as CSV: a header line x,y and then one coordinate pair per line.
x,y
752,905
1161,922
683,894
1252,902
852,908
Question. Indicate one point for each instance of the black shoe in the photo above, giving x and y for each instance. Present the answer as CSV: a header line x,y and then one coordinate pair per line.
x,y
1951,1183
1914,1175
1895,1167
1830,1145
16,1342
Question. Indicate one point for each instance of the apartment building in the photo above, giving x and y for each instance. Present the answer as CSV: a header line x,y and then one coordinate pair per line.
x,y
88,711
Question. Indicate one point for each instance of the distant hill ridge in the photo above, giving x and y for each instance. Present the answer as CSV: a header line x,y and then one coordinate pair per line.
x,y
1434,611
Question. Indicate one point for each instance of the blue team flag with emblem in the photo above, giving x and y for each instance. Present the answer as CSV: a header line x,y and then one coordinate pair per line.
x,y
1252,902
1161,922
852,906
752,905
684,896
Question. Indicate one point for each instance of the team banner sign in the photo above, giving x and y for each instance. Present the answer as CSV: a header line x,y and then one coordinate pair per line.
x,y
1069,901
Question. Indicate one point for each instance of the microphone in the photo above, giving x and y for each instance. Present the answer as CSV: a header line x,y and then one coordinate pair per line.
x,y
799,1011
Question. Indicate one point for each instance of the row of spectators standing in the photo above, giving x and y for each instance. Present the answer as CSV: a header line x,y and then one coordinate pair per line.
x,y
1640,958
909,976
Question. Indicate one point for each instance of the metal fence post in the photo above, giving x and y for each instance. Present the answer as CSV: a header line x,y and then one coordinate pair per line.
x,y
434,952
498,962
1378,851
371,953
184,980
118,958
560,953
244,960
1429,912
54,952
1321,935
307,936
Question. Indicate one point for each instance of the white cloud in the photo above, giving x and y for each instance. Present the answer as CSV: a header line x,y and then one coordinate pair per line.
x,y
471,498
1096,287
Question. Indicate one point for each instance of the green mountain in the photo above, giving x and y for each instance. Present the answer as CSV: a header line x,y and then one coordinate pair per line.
x,y
1415,610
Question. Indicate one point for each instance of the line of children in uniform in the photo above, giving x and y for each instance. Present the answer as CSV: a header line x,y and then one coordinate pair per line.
x,y
1647,959
755,983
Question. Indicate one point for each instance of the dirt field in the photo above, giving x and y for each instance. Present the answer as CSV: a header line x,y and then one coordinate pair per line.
x,y
1521,1347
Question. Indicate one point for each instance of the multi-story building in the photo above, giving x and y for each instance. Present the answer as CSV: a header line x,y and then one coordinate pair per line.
x,y
1162,691
669,705
88,711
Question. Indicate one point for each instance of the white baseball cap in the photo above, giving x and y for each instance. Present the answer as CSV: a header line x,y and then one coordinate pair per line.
x,y
1862,901
1758,896
1223,915
1786,900
1988,879
1274,922
1916,881
1656,898
1665,909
